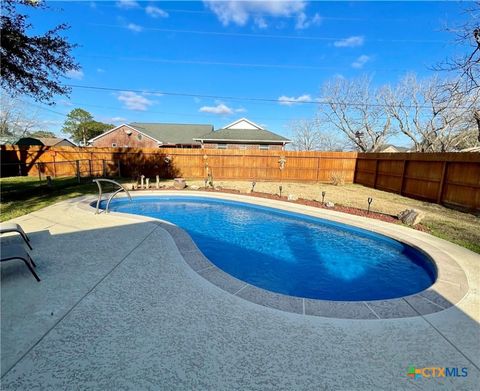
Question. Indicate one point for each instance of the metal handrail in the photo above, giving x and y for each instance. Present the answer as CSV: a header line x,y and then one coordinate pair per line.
x,y
121,188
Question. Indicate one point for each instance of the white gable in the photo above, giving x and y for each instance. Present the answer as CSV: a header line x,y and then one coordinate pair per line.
x,y
243,123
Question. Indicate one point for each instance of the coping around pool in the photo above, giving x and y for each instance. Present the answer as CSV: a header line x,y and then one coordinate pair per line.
x,y
394,297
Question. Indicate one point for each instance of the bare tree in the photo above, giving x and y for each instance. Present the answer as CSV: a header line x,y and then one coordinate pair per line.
x,y
308,135
466,66
15,118
353,108
434,118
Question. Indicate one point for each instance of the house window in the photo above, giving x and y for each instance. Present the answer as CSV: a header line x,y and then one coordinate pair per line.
x,y
114,145
221,146
264,147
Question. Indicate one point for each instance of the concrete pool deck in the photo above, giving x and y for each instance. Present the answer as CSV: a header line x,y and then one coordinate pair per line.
x,y
119,308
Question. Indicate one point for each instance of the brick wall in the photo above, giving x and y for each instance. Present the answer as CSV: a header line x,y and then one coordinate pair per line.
x,y
121,138
272,147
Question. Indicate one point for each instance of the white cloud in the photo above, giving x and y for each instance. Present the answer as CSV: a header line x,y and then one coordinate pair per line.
x,y
50,122
350,42
127,4
134,27
303,22
75,74
155,12
261,22
240,110
240,12
291,100
220,109
152,94
116,120
66,103
134,101
360,61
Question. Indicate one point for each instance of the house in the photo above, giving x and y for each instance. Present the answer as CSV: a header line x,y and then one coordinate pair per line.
x,y
243,134
46,141
390,148
152,135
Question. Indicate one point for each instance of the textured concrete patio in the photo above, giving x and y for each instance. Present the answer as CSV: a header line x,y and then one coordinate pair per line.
x,y
119,308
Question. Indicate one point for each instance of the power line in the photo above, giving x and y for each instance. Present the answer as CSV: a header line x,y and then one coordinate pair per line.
x,y
252,35
232,64
250,99
120,109
44,108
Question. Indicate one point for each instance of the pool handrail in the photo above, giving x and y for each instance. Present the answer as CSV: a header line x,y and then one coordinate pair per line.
x,y
120,189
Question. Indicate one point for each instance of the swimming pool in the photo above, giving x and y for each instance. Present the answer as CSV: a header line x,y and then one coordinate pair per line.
x,y
292,253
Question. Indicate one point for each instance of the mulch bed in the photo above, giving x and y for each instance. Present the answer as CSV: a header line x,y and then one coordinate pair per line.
x,y
316,204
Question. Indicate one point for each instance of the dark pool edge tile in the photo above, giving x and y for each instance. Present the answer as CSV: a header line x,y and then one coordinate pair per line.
x,y
339,309
410,306
272,299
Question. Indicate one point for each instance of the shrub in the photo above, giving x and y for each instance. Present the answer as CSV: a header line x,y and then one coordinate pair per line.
x,y
338,178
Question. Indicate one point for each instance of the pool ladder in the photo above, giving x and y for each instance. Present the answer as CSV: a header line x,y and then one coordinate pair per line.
x,y
120,189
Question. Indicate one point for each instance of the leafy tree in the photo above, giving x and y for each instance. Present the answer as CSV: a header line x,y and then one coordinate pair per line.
x,y
76,125
81,126
42,133
96,128
32,64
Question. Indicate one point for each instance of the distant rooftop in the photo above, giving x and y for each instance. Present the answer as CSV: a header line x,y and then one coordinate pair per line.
x,y
244,130
173,133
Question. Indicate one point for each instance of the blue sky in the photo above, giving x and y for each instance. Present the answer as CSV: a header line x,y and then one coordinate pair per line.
x,y
276,50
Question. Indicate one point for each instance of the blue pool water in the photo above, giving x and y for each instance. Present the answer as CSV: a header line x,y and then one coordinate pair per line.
x,y
291,253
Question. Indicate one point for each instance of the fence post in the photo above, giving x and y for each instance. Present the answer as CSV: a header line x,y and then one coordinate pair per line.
x,y
104,168
402,182
119,172
442,182
78,170
376,173
90,167
39,172
318,168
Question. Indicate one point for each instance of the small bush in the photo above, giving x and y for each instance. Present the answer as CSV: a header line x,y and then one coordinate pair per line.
x,y
338,178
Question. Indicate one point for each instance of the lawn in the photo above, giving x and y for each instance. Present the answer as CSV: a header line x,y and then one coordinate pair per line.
x,y
22,195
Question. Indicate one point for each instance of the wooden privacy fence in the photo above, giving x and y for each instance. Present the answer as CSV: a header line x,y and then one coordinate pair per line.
x,y
176,162
451,179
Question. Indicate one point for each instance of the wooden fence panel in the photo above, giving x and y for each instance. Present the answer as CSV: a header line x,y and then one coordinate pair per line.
x,y
452,179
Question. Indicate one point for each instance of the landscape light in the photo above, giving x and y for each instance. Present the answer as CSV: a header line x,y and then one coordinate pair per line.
x,y
206,182
323,196
280,188
370,200
253,185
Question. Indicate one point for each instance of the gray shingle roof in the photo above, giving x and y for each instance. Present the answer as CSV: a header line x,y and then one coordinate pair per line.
x,y
239,135
173,133
46,141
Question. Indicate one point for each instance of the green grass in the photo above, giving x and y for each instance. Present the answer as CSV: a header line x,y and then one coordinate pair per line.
x,y
22,195
455,234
